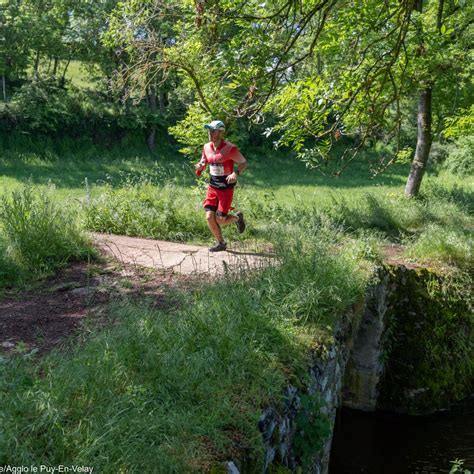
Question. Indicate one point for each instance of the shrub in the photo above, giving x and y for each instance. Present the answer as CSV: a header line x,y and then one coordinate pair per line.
x,y
40,234
460,158
145,210
438,152
44,107
47,108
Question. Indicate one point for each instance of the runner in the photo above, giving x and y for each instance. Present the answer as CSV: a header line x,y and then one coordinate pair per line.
x,y
221,156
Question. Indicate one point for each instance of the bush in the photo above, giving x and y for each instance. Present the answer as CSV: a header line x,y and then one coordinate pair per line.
x,y
460,158
143,209
438,153
47,108
39,234
44,107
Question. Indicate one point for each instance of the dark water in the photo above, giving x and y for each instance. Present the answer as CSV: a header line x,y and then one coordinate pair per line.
x,y
380,443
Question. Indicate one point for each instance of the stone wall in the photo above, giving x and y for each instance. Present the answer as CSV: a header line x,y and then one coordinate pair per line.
x,y
408,316
428,348
414,352
286,443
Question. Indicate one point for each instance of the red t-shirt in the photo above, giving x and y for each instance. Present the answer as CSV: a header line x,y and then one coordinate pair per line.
x,y
219,171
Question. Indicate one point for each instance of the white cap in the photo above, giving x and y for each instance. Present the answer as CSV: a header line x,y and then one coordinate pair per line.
x,y
215,125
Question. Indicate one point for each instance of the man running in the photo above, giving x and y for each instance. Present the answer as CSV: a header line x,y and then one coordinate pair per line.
x,y
221,156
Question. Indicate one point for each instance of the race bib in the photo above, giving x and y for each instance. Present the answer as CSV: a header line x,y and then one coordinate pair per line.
x,y
216,170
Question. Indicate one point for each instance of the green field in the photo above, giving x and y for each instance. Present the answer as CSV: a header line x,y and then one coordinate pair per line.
x,y
187,384
276,187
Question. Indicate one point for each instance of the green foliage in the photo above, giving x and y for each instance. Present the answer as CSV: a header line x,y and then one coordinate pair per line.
x,y
438,153
14,44
431,360
306,105
42,106
312,428
190,131
37,234
304,72
460,125
457,468
460,159
142,209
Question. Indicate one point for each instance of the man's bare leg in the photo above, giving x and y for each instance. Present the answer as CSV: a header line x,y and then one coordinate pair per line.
x,y
237,219
225,220
213,225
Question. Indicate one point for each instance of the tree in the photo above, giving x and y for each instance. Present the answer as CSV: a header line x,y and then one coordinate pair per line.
x,y
13,45
232,57
383,59
441,35
318,66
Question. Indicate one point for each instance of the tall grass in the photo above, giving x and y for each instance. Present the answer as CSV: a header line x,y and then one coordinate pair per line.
x,y
180,391
146,210
435,227
11,271
449,246
37,236
135,193
426,226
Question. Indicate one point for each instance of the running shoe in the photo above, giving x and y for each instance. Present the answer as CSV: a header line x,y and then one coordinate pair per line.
x,y
240,222
219,247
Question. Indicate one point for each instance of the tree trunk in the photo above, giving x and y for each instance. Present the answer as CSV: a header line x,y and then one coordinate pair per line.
x,y
36,66
319,63
152,105
439,16
63,77
199,13
423,144
4,87
163,102
55,67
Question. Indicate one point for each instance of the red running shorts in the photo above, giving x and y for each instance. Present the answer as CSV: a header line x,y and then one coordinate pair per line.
x,y
219,200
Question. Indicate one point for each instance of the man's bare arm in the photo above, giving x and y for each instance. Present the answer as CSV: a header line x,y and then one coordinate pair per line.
x,y
238,158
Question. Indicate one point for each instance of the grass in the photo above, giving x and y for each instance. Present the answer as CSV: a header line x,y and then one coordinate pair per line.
x,y
438,244
37,236
181,391
140,209
68,164
127,190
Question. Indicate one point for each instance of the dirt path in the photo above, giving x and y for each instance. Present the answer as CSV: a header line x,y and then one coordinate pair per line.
x,y
180,258
42,317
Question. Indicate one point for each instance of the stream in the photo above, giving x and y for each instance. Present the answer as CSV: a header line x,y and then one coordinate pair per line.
x,y
386,443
